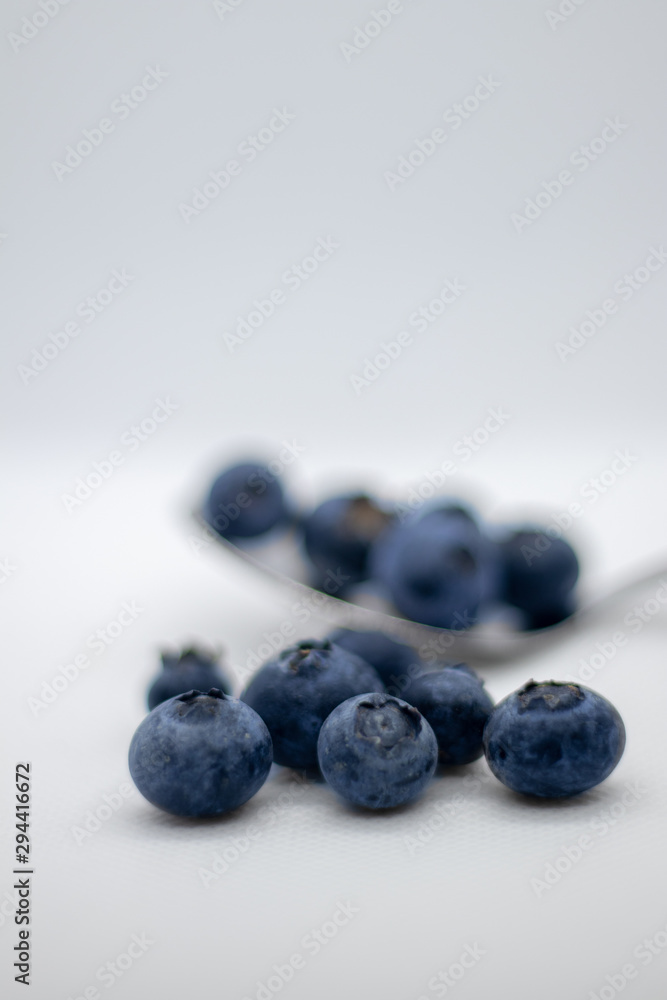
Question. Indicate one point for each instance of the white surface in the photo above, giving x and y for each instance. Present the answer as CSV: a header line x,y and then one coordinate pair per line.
x,y
163,338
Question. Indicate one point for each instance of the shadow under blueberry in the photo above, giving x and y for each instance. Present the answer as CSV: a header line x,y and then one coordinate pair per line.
x,y
368,815
281,781
591,800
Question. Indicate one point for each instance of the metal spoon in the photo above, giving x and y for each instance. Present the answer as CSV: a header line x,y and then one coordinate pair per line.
x,y
485,642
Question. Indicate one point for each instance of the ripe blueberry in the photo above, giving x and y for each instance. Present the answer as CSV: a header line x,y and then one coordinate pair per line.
x,y
244,501
453,700
437,567
377,751
553,739
395,662
338,534
538,575
200,754
193,669
295,692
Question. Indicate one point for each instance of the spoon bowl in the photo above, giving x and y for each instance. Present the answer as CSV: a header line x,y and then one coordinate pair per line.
x,y
276,558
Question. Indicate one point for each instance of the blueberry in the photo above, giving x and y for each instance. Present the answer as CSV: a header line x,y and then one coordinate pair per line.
x,y
395,662
377,751
453,700
552,615
200,754
338,534
244,501
191,669
295,692
553,739
538,575
437,567
449,508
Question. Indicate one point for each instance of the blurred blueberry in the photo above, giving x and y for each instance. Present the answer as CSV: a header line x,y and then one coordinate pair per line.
x,y
338,534
437,567
244,501
539,574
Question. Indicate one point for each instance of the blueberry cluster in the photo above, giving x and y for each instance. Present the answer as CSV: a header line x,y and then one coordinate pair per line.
x,y
326,707
439,565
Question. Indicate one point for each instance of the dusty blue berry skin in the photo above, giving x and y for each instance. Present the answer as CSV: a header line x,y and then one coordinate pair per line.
x,y
395,661
200,754
244,501
338,534
295,692
454,702
553,739
538,575
193,669
377,751
437,567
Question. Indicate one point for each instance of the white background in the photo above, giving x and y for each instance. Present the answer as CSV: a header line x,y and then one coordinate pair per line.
x,y
70,567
